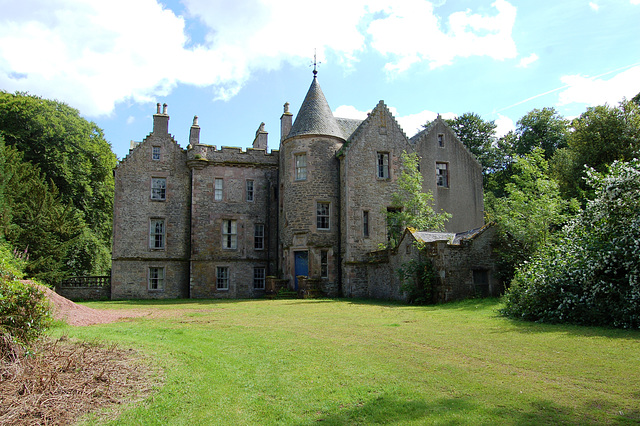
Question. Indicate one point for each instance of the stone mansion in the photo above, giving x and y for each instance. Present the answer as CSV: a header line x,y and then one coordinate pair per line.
x,y
215,222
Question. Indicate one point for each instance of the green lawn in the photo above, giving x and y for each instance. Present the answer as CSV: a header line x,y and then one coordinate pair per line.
x,y
354,362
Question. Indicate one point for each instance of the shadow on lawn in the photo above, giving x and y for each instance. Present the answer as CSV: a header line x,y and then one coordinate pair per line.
x,y
391,409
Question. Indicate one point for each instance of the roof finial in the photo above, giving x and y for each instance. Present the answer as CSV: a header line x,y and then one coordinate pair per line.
x,y
315,64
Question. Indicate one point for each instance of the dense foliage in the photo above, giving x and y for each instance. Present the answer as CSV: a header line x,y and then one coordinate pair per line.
x,y
591,275
24,311
56,187
412,207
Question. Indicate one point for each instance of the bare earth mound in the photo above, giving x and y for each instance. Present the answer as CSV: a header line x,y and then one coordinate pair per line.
x,y
64,379
74,314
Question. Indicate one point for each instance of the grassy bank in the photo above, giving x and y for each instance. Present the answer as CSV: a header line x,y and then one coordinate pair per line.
x,y
350,362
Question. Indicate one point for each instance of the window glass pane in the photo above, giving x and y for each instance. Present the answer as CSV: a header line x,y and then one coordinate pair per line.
x,y
249,190
258,236
155,153
301,166
158,188
322,216
259,276
442,175
324,263
218,190
156,234
383,165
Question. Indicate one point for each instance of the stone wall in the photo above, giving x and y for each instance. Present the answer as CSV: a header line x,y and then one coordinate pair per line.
x,y
208,243
134,209
298,204
464,196
85,293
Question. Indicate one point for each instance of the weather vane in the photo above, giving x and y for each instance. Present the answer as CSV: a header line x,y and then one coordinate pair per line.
x,y
315,64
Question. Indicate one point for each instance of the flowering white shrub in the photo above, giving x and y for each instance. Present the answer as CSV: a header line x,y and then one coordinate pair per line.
x,y
591,275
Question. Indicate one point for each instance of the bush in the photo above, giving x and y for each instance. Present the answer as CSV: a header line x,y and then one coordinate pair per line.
x,y
590,276
24,310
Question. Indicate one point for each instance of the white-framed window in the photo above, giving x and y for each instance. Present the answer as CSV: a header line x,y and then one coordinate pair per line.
x,y
322,215
157,234
156,278
442,175
365,224
155,153
441,140
249,185
159,189
258,236
259,276
383,165
222,278
324,263
230,234
301,166
217,189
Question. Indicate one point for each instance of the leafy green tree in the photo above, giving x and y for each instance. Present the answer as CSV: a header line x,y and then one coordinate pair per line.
x,y
72,153
530,212
589,275
68,149
541,128
37,219
600,136
479,136
412,207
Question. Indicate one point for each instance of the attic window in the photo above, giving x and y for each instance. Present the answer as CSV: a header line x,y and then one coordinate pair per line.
x,y
155,153
441,140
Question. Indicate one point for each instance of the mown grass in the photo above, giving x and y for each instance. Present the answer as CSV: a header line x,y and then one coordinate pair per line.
x,y
355,362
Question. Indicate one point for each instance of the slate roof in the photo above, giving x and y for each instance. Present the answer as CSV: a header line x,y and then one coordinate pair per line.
x,y
430,237
348,126
453,239
315,116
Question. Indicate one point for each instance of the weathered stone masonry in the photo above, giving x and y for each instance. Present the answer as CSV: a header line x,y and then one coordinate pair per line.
x,y
210,222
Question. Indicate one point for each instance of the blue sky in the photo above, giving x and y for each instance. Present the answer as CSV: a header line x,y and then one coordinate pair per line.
x,y
235,63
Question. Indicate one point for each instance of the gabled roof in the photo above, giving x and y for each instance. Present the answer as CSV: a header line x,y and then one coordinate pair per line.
x,y
315,116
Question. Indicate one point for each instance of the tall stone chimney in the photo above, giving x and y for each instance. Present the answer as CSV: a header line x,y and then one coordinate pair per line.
x,y
286,121
194,134
161,121
260,141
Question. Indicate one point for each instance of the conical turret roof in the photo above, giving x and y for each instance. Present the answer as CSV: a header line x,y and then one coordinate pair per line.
x,y
315,116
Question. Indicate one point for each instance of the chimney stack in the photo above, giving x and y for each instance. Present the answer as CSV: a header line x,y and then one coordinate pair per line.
x,y
194,135
286,122
161,121
260,141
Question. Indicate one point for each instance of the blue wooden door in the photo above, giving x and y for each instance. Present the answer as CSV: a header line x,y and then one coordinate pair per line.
x,y
302,265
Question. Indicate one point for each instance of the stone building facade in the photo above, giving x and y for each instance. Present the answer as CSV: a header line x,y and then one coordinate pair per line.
x,y
215,222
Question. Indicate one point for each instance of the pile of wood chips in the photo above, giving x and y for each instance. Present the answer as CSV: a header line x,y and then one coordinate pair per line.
x,y
59,380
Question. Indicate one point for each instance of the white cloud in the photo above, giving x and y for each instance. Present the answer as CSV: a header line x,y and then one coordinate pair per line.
x,y
595,6
131,119
411,124
597,91
92,55
504,125
412,32
635,1
525,62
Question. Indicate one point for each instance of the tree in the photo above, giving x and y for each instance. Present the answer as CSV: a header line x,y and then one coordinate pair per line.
x,y
68,149
412,207
545,129
600,136
37,219
589,275
72,153
478,135
530,212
